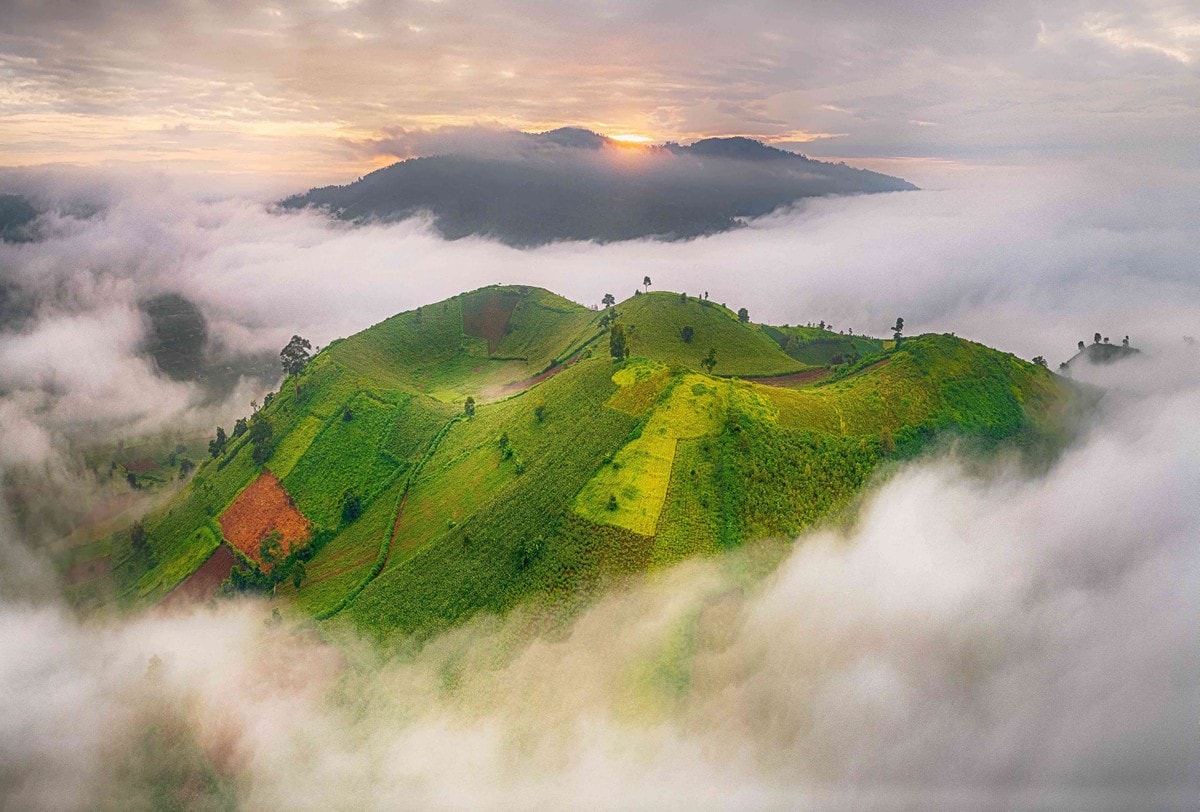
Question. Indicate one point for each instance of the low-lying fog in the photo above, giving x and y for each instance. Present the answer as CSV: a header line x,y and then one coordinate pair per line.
x,y
976,640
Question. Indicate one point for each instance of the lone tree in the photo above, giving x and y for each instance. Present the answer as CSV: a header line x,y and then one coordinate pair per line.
x,y
269,548
646,283
1125,342
1039,360
217,444
469,407
1096,338
609,300
137,537
351,507
618,347
686,334
294,357
1081,346
743,315
710,360
262,438
683,298
898,330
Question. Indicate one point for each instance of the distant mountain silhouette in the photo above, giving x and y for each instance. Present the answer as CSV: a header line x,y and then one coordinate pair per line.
x,y
574,184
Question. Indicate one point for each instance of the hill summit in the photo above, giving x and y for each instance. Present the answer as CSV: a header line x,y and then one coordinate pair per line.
x,y
507,445
574,184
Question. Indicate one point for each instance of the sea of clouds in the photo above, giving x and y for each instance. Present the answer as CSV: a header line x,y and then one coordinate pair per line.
x,y
979,638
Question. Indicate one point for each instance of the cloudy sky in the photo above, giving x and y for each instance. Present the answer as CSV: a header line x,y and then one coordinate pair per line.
x,y
324,89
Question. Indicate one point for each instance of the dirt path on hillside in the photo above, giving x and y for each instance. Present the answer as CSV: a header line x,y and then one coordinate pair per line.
x,y
794,379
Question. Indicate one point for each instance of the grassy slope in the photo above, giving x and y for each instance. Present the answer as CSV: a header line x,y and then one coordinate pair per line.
x,y
817,347
654,322
697,462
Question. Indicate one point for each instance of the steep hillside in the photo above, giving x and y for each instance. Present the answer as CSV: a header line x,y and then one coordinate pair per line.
x,y
365,490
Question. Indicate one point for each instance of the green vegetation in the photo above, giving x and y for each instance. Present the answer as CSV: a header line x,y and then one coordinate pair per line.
x,y
488,450
817,346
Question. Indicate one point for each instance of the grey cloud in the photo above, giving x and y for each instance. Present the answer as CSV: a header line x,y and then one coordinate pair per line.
x,y
998,76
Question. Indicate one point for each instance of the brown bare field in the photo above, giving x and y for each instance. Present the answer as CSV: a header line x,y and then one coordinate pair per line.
x,y
142,466
264,507
202,584
486,316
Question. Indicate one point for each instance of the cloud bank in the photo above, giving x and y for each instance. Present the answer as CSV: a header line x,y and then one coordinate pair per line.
x,y
983,639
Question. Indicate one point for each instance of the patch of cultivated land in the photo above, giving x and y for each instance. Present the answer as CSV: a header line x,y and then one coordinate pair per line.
x,y
203,583
264,506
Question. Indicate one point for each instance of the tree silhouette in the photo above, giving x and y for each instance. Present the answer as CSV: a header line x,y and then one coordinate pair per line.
x,y
743,315
1096,339
898,330
646,282
217,444
609,300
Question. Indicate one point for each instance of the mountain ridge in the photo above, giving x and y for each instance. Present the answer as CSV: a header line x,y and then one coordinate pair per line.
x,y
574,184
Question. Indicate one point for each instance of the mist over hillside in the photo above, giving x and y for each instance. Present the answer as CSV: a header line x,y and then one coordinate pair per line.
x,y
571,184
978,636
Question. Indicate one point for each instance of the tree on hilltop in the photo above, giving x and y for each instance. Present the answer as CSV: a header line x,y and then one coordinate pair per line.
x,y
646,282
898,330
609,300
743,315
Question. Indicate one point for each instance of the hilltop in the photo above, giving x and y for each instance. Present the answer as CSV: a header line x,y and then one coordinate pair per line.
x,y
572,184
488,450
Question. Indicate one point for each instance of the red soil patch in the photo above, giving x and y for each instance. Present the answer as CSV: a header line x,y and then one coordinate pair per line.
x,y
795,379
143,466
486,315
87,570
260,509
202,584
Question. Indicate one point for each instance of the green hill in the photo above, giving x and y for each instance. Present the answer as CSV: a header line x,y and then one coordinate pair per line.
x,y
572,466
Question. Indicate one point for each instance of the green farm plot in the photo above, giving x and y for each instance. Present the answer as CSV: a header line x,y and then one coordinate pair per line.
x,y
288,452
343,458
347,559
631,490
545,327
818,347
654,323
